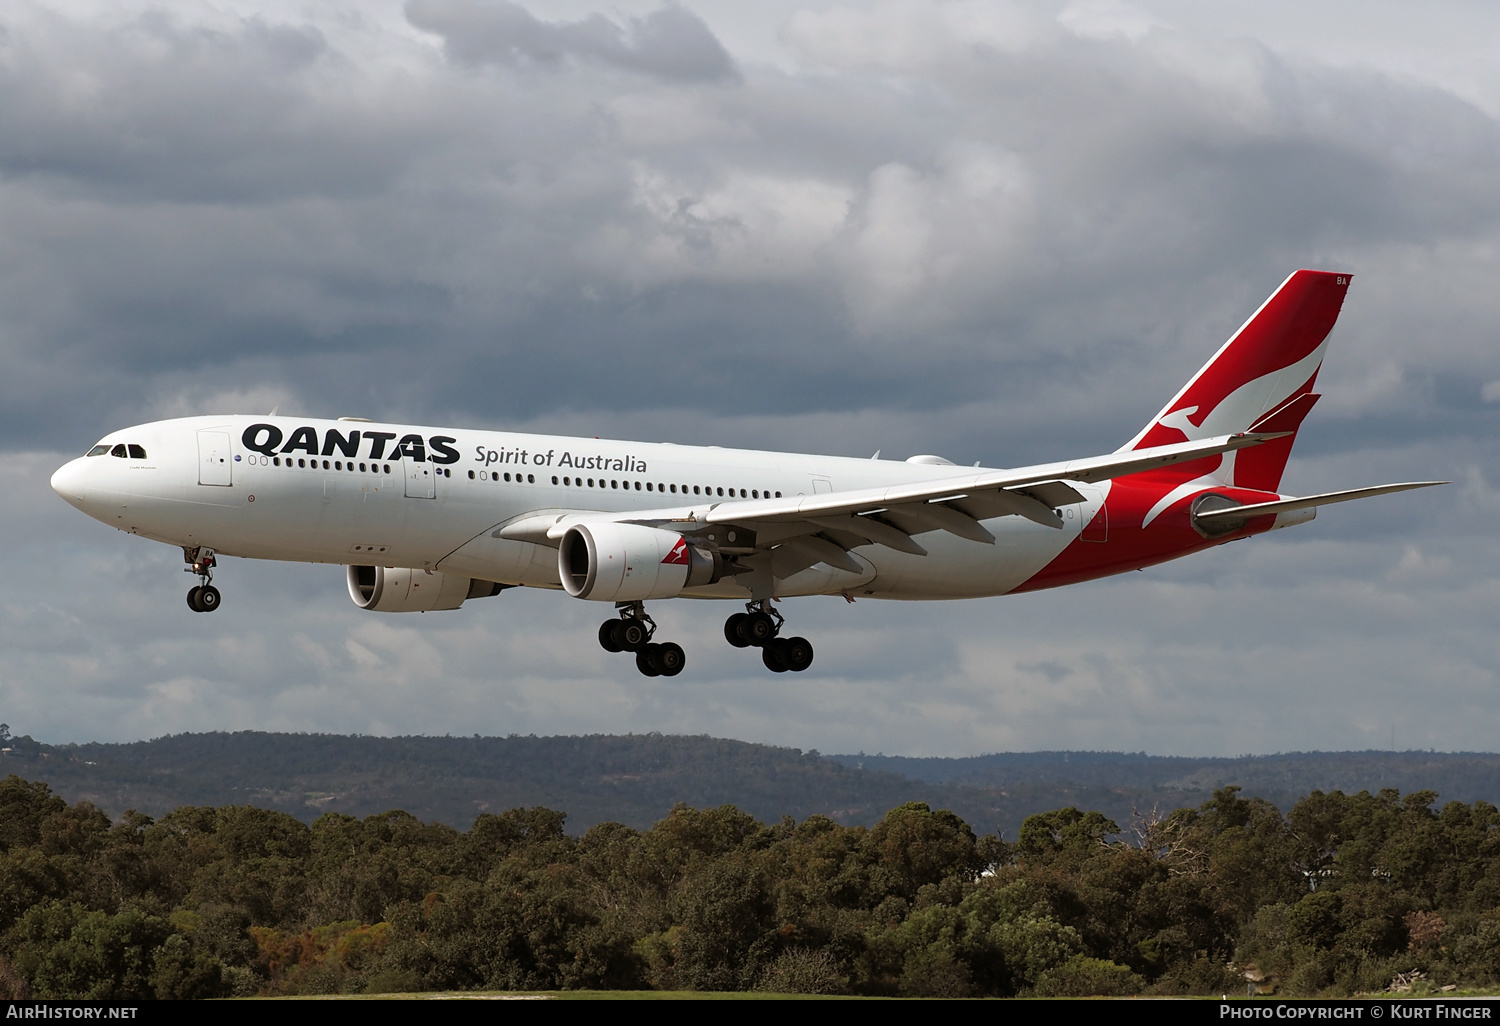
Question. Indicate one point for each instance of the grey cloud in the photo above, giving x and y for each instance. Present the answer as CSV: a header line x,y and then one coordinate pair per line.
x,y
1001,254
153,108
670,43
532,227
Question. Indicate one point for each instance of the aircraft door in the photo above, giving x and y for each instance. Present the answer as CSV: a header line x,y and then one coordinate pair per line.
x,y
1097,529
421,482
214,460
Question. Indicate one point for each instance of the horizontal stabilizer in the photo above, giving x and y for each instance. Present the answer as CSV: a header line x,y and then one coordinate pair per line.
x,y
1221,518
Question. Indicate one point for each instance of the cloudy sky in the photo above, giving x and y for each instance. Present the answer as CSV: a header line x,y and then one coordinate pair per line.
x,y
995,231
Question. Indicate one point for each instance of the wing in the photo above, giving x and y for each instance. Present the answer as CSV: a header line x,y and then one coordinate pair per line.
x,y
1032,492
821,528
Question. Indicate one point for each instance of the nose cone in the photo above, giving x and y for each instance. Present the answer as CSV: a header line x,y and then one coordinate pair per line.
x,y
70,481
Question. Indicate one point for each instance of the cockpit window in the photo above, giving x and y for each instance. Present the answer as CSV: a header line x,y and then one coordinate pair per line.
x,y
118,450
98,450
137,452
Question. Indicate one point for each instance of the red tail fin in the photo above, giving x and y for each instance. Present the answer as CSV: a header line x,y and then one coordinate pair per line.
x,y
1259,377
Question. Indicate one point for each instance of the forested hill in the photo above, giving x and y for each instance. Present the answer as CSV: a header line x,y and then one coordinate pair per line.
x,y
1281,779
636,779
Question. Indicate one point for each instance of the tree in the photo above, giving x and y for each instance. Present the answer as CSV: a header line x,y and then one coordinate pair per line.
x,y
914,846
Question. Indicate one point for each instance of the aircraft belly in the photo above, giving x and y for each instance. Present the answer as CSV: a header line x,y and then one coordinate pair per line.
x,y
177,521
957,568
298,516
822,579
504,561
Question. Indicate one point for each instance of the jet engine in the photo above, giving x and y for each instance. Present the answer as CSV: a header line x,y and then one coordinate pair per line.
x,y
630,563
394,589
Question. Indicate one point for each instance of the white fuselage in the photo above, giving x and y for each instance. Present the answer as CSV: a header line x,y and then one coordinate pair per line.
x,y
304,490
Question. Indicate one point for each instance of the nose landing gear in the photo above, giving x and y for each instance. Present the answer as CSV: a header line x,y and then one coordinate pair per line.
x,y
204,598
632,632
759,627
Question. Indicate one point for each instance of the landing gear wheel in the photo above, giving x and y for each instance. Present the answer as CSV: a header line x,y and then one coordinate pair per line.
x,y
607,636
670,658
192,598
770,654
208,598
796,653
631,635
757,628
647,662
732,630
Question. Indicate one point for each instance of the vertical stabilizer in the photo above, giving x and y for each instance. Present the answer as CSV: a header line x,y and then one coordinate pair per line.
x,y
1262,377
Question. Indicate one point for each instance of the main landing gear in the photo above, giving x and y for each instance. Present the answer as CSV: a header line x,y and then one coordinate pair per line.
x,y
632,632
758,627
204,598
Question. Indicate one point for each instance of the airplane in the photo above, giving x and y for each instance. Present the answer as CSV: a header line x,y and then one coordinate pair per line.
x,y
427,518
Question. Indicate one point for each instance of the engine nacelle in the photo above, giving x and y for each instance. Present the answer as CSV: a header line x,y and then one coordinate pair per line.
x,y
630,563
396,589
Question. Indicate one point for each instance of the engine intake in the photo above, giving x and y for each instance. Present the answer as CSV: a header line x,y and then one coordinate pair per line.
x,y
394,589
631,563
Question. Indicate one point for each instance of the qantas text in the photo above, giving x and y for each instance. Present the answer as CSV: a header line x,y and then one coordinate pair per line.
x,y
268,440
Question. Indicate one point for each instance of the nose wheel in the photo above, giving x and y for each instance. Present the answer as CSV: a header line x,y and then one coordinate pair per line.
x,y
204,597
632,632
759,627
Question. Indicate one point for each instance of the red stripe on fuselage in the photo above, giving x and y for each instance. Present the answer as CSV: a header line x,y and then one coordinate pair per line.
x,y
1129,546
